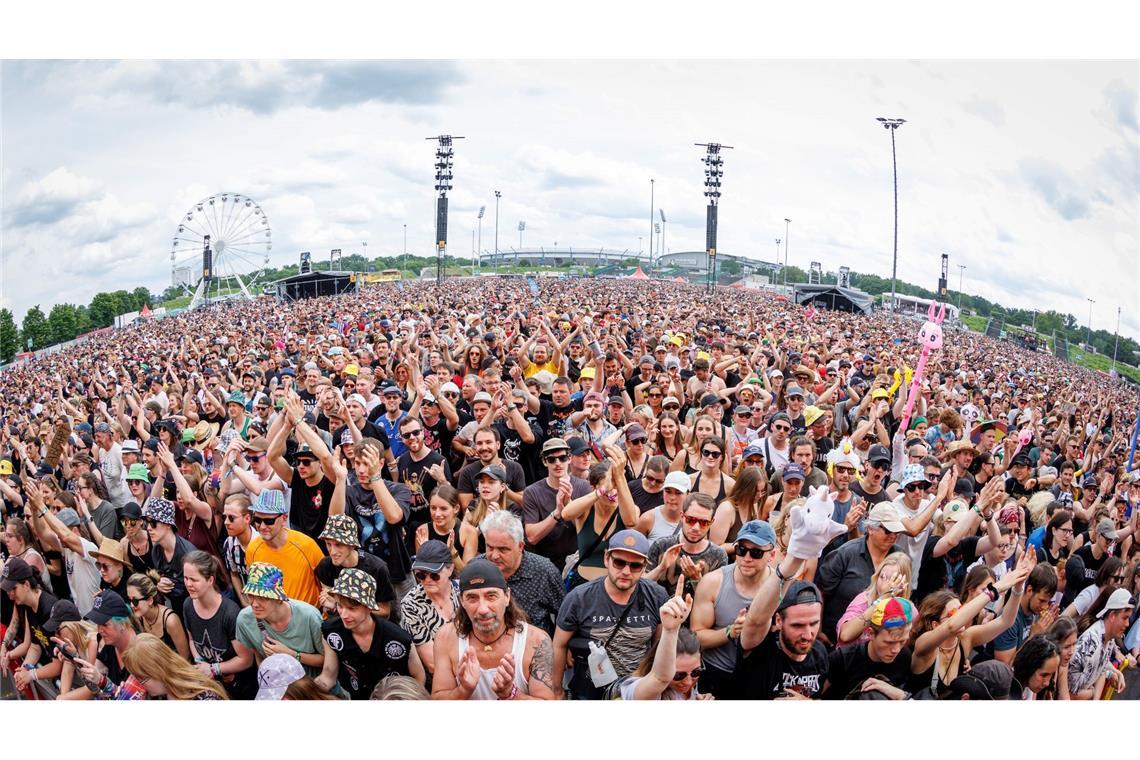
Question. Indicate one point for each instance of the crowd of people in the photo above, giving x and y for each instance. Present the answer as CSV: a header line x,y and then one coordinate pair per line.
x,y
586,489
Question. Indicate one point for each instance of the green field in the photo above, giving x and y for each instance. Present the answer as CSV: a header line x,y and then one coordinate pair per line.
x,y
975,323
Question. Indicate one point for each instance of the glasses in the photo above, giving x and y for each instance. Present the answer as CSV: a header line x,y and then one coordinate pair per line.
x,y
557,459
105,567
1005,547
845,470
782,428
636,441
422,575
1065,530
634,567
697,522
919,486
136,601
151,523
254,457
128,522
654,481
451,395
711,454
264,520
655,395
671,407
695,673
411,434
751,551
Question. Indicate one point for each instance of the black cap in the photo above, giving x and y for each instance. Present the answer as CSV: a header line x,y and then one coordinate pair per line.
x,y
432,556
131,511
108,605
578,445
800,592
192,455
481,573
64,611
15,570
964,487
878,453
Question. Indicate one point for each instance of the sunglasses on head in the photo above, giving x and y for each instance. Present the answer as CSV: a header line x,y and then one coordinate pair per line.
x,y
422,575
634,566
264,520
751,551
695,673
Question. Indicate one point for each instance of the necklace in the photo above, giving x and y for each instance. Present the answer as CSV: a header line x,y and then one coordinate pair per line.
x,y
488,646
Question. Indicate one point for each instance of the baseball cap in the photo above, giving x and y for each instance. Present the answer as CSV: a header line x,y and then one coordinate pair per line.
x,y
276,674
758,532
879,393
15,570
793,390
988,681
63,611
108,604
68,517
1104,528
577,445
879,453
755,448
678,480
631,541
192,455
710,399
595,396
305,450
479,574
1120,599
743,409
892,612
887,516
554,444
792,471
495,471
432,556
799,592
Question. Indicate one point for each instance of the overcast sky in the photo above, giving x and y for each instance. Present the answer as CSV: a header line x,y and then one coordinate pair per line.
x,y
1027,173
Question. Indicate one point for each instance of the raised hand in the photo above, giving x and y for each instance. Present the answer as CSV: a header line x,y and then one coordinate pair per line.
x,y
468,672
503,682
676,608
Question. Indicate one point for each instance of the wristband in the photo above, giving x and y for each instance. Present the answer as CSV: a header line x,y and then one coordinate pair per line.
x,y
514,691
375,478
298,421
557,517
992,592
298,656
28,666
779,574
215,669
728,632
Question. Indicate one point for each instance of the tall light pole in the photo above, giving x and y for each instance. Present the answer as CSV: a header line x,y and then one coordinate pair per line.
x,y
713,172
661,249
778,241
479,245
961,271
787,224
1116,345
444,156
892,125
1088,327
497,196
651,206
522,226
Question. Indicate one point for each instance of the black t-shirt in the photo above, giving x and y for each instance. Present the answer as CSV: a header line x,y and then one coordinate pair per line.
x,y
766,672
173,569
35,620
645,501
513,448
1092,565
539,500
327,573
360,671
309,506
516,479
822,447
415,476
378,537
871,498
947,571
308,400
437,437
850,666
213,640
117,673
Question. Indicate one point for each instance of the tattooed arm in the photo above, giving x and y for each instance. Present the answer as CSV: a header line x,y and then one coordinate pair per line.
x,y
540,674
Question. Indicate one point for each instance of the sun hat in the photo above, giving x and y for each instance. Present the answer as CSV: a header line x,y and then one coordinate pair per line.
x,y
357,585
342,529
269,502
138,472
266,581
159,509
276,674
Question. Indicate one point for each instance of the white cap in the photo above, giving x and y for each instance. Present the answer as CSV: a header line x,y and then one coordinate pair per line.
x,y
678,480
449,388
356,397
1119,600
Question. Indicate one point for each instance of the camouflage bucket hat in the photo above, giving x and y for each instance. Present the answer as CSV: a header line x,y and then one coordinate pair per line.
x,y
342,529
356,585
266,581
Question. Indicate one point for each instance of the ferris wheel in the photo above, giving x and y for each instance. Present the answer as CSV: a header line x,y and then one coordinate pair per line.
x,y
221,248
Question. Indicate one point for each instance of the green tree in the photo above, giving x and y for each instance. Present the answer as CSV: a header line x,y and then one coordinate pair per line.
x,y
103,309
9,336
730,267
62,323
142,297
34,330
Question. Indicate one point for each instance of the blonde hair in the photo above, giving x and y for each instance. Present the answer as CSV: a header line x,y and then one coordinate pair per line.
x,y
78,633
1038,504
399,688
901,560
480,508
149,658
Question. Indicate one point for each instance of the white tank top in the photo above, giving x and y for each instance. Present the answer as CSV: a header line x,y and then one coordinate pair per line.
x,y
662,528
483,689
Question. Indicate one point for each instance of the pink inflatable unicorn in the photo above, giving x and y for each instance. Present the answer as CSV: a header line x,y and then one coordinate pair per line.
x,y
930,336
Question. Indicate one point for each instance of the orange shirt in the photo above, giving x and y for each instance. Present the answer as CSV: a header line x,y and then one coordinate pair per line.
x,y
297,560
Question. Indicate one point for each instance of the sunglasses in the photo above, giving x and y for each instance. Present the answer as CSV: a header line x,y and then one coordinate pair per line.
x,y
255,457
881,464
697,522
634,567
653,480
921,486
137,601
128,522
264,520
711,454
451,395
422,575
695,673
637,441
151,523
558,459
782,428
105,566
411,434
1118,578
751,551
655,395
845,470
671,407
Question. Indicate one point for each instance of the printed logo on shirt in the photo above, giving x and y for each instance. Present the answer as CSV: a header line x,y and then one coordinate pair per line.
x,y
335,641
395,650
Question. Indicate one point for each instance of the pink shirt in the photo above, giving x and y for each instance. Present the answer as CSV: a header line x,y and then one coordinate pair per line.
x,y
857,607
